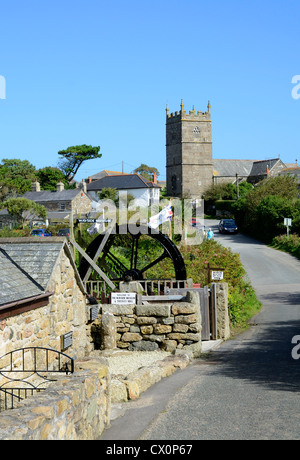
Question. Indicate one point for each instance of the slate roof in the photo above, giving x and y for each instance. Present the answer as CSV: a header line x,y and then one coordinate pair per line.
x,y
260,167
15,283
245,168
229,168
121,182
104,173
52,195
26,266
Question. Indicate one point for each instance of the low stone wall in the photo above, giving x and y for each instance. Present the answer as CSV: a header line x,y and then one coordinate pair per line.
x,y
169,327
127,387
76,407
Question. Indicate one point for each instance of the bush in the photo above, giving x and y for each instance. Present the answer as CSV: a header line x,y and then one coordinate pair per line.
x,y
289,244
262,211
270,214
6,232
243,303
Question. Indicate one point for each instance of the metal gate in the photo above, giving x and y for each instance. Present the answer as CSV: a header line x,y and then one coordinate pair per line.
x,y
26,371
208,309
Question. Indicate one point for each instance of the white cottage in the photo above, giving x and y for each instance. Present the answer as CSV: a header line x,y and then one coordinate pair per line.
x,y
145,192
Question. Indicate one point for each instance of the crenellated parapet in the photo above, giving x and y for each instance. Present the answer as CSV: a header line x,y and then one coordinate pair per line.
x,y
192,115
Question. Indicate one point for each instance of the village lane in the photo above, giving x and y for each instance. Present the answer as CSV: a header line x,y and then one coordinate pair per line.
x,y
249,387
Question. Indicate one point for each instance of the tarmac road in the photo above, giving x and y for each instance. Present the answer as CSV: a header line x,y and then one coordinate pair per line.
x,y
248,389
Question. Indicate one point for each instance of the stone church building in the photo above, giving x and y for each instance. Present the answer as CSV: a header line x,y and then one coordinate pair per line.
x,y
190,166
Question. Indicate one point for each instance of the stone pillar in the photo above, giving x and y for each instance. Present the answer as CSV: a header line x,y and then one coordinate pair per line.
x,y
223,321
109,331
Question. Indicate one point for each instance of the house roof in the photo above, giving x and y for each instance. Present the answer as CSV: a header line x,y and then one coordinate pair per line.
x,y
15,283
51,195
121,182
104,173
27,265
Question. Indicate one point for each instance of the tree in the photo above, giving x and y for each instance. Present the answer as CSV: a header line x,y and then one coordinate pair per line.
x,y
24,210
146,171
16,176
114,195
73,157
48,178
226,191
251,212
270,214
109,194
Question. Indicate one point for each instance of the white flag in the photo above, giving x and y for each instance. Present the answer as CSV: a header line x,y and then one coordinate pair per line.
x,y
163,216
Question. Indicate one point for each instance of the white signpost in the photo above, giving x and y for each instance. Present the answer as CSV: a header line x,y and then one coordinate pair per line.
x,y
287,222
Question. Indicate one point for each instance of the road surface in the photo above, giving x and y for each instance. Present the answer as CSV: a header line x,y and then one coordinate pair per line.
x,y
248,389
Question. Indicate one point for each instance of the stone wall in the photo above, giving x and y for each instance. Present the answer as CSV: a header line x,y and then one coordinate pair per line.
x,y
168,326
76,407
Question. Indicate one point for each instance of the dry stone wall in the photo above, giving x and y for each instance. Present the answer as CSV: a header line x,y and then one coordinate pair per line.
x,y
149,327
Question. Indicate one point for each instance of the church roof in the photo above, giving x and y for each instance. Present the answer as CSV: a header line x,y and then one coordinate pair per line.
x,y
260,167
244,168
229,168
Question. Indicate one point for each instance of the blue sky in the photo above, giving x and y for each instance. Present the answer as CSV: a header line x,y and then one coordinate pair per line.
x,y
101,72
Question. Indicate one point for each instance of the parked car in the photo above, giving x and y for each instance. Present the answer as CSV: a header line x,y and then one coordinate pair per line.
x,y
40,232
63,232
227,226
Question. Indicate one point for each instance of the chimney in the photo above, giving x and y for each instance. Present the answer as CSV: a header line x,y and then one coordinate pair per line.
x,y
267,170
82,185
36,186
60,187
89,179
154,178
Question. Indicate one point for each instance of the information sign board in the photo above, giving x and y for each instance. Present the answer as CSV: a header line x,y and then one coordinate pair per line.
x,y
123,298
287,222
216,275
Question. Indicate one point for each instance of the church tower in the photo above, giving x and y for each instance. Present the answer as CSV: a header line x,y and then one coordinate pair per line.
x,y
189,152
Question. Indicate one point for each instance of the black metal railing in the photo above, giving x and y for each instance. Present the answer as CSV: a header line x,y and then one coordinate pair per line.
x,y
26,371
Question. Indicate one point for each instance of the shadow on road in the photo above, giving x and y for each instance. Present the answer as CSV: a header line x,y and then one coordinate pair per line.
x,y
265,358
283,298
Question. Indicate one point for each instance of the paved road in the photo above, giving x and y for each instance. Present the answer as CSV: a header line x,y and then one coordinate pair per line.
x,y
248,388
